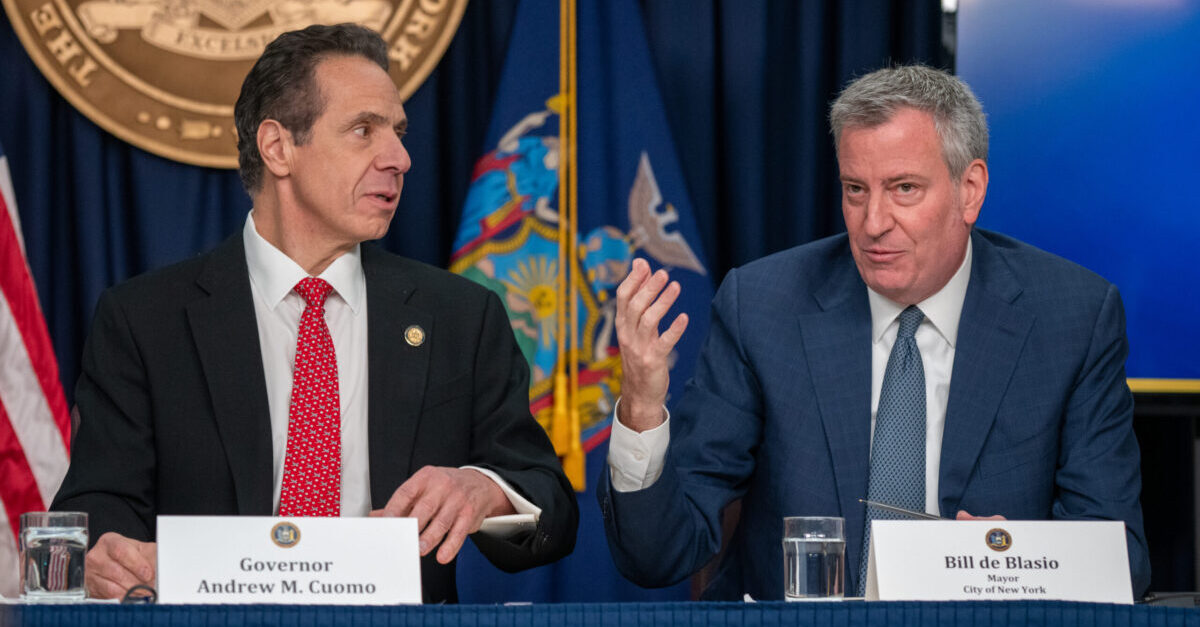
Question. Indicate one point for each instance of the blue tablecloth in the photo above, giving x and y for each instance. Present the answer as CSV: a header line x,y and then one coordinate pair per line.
x,y
846,614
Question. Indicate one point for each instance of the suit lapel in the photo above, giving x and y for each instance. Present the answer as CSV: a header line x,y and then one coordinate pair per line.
x,y
991,335
837,346
396,372
225,331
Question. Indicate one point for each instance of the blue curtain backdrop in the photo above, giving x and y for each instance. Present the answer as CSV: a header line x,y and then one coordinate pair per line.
x,y
746,87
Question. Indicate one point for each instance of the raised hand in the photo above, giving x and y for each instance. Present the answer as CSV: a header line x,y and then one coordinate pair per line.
x,y
643,298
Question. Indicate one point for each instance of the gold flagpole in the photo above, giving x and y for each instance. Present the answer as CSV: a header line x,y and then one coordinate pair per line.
x,y
564,426
574,462
558,420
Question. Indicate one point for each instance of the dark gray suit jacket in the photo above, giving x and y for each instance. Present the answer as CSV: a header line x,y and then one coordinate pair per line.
x,y
1038,422
174,417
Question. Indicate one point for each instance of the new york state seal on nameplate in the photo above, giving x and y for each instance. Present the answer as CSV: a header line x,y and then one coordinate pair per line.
x,y
164,74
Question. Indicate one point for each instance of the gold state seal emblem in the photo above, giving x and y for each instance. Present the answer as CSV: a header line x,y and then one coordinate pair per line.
x,y
285,534
164,74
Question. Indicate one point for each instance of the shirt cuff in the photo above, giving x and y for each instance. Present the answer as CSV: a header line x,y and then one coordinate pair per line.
x,y
519,503
635,460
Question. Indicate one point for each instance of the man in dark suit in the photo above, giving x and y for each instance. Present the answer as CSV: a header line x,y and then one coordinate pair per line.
x,y
1022,406
187,400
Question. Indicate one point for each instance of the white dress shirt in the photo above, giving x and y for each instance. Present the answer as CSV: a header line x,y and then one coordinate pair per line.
x,y
636,459
936,339
277,309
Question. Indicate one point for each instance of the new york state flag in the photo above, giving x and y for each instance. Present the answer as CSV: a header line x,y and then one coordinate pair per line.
x,y
632,202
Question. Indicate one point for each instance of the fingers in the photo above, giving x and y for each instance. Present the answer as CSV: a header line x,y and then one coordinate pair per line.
x,y
439,510
448,503
638,272
463,526
675,331
129,556
149,551
637,292
413,499
647,308
455,513
118,563
402,499
655,312
643,300
100,588
964,515
644,297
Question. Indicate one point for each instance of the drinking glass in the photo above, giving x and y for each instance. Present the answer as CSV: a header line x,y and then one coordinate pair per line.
x,y
53,545
814,558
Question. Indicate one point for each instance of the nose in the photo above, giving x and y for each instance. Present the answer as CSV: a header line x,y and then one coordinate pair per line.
x,y
878,219
394,156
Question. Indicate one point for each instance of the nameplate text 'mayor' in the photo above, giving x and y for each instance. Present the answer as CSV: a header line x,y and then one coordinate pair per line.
x,y
999,559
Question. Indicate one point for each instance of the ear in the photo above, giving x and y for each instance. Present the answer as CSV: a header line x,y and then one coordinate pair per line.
x,y
972,189
275,148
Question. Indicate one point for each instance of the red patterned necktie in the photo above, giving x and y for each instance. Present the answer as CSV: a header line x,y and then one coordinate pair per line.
x,y
312,467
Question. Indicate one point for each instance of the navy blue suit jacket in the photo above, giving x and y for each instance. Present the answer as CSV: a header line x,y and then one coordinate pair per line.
x,y
1038,422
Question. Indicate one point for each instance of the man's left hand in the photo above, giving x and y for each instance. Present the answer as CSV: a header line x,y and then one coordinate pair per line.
x,y
449,504
963,515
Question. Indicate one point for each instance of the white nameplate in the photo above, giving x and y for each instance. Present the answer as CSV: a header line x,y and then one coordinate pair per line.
x,y
998,560
259,559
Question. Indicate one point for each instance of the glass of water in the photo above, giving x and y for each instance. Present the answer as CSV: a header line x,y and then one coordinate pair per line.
x,y
814,558
53,545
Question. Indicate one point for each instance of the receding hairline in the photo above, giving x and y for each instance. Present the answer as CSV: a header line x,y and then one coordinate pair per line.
x,y
322,98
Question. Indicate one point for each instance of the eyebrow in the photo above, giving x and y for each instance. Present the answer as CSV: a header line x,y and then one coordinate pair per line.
x,y
907,176
891,180
370,117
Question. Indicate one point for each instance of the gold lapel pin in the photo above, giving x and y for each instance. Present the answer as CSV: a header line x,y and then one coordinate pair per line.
x,y
414,335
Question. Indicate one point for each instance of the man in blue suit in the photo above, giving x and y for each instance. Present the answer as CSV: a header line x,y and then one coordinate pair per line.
x,y
1026,413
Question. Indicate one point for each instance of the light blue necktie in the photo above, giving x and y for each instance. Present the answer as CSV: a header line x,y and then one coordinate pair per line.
x,y
898,447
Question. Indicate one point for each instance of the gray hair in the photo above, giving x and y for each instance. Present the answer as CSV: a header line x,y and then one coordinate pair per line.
x,y
873,99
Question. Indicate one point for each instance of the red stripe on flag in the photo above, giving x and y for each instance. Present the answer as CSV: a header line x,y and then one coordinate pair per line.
x,y
18,289
486,232
597,439
60,559
489,162
18,488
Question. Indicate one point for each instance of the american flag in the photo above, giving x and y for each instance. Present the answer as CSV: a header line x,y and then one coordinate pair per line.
x,y
57,572
34,422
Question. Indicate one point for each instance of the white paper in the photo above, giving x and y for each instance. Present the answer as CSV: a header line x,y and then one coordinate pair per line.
x,y
508,525
328,561
966,560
